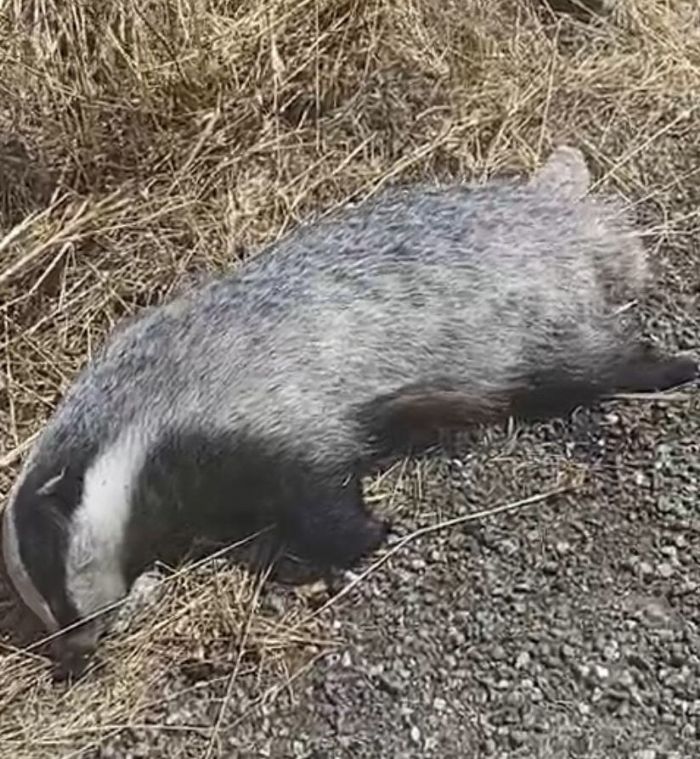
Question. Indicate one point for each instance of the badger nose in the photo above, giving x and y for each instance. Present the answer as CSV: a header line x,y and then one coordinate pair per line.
x,y
72,654
71,665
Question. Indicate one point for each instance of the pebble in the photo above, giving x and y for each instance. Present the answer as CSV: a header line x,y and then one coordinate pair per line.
x,y
625,679
391,684
600,672
645,569
498,653
567,652
611,651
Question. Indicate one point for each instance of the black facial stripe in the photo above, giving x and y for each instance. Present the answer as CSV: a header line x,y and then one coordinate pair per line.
x,y
41,523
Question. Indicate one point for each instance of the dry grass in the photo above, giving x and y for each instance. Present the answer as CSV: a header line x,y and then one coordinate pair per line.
x,y
208,628
144,142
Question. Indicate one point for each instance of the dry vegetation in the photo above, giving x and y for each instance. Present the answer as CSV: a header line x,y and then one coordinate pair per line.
x,y
142,143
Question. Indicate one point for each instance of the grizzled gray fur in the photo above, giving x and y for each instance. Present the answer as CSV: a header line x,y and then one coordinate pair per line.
x,y
261,398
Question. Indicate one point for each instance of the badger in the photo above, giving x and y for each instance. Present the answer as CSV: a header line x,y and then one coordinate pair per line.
x,y
258,400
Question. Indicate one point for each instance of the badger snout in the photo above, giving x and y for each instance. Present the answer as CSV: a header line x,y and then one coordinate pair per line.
x,y
73,651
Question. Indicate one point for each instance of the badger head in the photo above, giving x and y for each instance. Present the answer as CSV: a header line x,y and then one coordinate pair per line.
x,y
64,529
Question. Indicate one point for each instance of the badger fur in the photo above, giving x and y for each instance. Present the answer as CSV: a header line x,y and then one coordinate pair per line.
x,y
261,398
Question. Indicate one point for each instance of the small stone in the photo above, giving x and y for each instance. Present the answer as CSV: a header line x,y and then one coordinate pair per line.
x,y
689,731
415,735
600,672
656,612
515,699
664,570
583,671
508,547
517,738
523,660
567,652
390,684
677,655
498,653
611,651
625,679
645,569
439,704
646,753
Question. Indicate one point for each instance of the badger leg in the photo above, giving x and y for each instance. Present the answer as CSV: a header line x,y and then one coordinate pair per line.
x,y
412,417
553,393
420,409
646,370
332,527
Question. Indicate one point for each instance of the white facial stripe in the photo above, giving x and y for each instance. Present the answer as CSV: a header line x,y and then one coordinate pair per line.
x,y
19,576
94,576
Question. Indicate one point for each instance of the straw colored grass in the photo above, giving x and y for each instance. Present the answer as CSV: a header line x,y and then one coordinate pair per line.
x,y
145,143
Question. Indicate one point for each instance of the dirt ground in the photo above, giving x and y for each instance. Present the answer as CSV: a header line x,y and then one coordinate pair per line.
x,y
143,144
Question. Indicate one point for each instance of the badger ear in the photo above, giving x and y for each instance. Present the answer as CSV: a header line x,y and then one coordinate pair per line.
x,y
61,491
565,172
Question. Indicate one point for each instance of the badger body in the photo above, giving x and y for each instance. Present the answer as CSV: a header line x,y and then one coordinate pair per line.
x,y
261,398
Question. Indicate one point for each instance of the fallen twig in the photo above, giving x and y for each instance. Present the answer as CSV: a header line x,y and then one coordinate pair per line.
x,y
444,525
